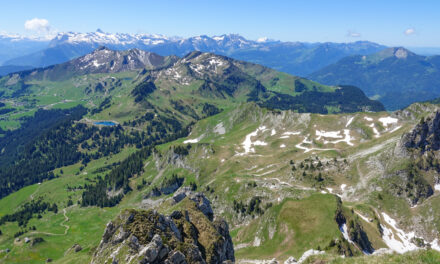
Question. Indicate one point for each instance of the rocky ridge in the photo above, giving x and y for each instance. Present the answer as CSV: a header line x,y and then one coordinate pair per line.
x,y
188,235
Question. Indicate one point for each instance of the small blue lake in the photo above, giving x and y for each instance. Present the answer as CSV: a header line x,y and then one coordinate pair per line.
x,y
105,123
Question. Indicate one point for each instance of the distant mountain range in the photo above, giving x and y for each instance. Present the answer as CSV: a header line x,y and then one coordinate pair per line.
x,y
101,60
296,58
395,76
4,70
199,75
13,46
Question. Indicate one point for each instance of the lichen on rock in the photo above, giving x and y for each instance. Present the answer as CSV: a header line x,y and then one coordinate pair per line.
x,y
189,235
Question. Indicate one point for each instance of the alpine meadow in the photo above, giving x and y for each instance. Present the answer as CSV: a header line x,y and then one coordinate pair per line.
x,y
311,134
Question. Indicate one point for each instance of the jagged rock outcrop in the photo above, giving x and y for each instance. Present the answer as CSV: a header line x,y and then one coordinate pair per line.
x,y
425,136
420,147
201,202
188,235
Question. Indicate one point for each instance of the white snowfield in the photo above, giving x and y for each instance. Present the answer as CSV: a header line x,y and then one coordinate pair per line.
x,y
395,238
215,61
306,149
368,118
376,133
329,134
388,120
196,140
335,134
344,231
291,133
248,144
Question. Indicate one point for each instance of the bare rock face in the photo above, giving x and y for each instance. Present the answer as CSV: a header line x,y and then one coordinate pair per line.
x,y
188,235
421,147
425,136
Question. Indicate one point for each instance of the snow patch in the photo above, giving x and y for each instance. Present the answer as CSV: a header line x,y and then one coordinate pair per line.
x,y
376,133
435,245
368,118
388,120
282,146
248,144
344,231
96,64
329,134
349,121
273,132
308,253
291,133
437,187
343,186
335,134
215,61
196,140
398,240
306,149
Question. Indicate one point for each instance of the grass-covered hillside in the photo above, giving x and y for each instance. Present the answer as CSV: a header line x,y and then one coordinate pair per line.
x,y
108,78
344,180
285,182
394,76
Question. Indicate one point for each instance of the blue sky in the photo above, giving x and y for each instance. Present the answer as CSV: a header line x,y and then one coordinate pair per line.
x,y
383,21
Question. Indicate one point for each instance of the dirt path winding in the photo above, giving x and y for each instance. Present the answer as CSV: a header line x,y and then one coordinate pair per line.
x,y
66,219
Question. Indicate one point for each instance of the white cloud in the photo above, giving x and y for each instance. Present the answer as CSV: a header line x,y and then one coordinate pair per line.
x,y
37,24
409,31
353,34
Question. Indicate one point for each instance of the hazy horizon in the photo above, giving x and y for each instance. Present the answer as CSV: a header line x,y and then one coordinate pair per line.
x,y
391,23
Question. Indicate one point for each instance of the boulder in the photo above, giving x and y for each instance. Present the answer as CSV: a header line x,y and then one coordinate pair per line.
x,y
176,257
150,253
77,248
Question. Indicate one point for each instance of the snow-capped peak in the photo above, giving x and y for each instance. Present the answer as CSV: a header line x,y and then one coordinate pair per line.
x,y
262,39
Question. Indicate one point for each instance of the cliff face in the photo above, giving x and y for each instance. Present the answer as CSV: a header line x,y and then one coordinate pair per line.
x,y
421,148
425,136
187,235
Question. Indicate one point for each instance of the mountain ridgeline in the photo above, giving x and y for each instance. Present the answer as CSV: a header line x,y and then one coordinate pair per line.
x,y
206,75
389,74
104,132
298,58
166,93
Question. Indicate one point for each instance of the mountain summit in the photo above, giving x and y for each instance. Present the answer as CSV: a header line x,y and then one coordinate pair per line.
x,y
102,60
